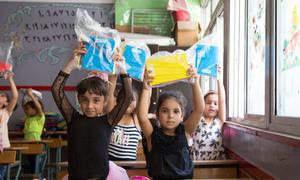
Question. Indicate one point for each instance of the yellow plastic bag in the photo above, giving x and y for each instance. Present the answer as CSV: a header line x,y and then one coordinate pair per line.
x,y
168,68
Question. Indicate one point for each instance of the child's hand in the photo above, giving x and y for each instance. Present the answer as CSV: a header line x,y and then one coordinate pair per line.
x,y
148,78
29,91
120,63
220,72
8,74
192,72
75,59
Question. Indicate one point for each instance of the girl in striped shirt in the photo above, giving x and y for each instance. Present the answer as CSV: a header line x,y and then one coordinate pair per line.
x,y
126,134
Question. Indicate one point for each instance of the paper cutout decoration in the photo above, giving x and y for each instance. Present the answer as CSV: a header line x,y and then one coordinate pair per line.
x,y
207,60
99,55
135,59
169,68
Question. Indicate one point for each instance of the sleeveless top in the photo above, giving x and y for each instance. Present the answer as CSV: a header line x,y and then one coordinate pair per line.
x,y
4,116
88,140
207,141
124,142
169,157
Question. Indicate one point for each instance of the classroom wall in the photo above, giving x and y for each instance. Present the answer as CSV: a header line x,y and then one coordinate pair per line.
x,y
275,154
45,38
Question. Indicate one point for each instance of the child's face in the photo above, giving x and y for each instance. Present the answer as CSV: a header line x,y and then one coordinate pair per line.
x,y
211,106
3,100
170,114
91,104
29,111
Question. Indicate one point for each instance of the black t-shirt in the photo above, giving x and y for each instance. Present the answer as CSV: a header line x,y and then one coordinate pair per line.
x,y
88,140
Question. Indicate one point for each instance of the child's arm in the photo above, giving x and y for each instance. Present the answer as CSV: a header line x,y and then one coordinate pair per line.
x,y
36,102
221,97
192,121
12,103
123,101
112,79
142,110
57,87
125,95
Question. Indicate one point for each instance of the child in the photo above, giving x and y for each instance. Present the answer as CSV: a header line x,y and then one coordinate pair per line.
x,y
208,136
6,108
167,151
34,116
126,134
89,133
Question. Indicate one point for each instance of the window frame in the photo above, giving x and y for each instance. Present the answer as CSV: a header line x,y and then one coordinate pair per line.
x,y
270,121
285,124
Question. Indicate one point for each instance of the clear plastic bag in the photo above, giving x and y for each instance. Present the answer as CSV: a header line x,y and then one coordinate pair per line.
x,y
6,61
100,42
167,67
135,55
205,55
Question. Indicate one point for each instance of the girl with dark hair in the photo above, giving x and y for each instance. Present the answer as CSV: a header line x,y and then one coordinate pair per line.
x,y
166,147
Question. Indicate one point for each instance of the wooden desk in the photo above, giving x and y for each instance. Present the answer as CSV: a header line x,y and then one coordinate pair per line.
x,y
15,134
18,141
15,148
50,133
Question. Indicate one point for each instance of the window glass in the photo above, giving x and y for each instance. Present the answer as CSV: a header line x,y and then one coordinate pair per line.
x,y
288,58
256,56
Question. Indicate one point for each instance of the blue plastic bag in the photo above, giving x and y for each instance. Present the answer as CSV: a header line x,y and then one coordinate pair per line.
x,y
135,59
207,60
99,54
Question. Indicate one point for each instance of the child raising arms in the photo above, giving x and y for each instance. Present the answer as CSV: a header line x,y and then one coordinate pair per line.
x,y
167,146
126,134
34,117
7,106
89,133
207,139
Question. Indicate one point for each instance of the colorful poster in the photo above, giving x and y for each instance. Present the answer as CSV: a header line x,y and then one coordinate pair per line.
x,y
168,68
207,60
99,55
135,59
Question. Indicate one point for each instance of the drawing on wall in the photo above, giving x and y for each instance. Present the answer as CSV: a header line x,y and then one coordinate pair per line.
x,y
44,31
291,41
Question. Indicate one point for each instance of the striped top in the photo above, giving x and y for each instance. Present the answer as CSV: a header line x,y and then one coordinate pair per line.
x,y
124,142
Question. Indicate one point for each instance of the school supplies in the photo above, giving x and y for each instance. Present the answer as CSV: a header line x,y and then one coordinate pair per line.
x,y
99,54
168,68
5,58
205,55
135,55
100,43
206,60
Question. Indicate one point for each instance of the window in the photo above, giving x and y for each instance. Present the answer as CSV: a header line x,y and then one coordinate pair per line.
x,y
264,64
288,59
256,56
246,83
